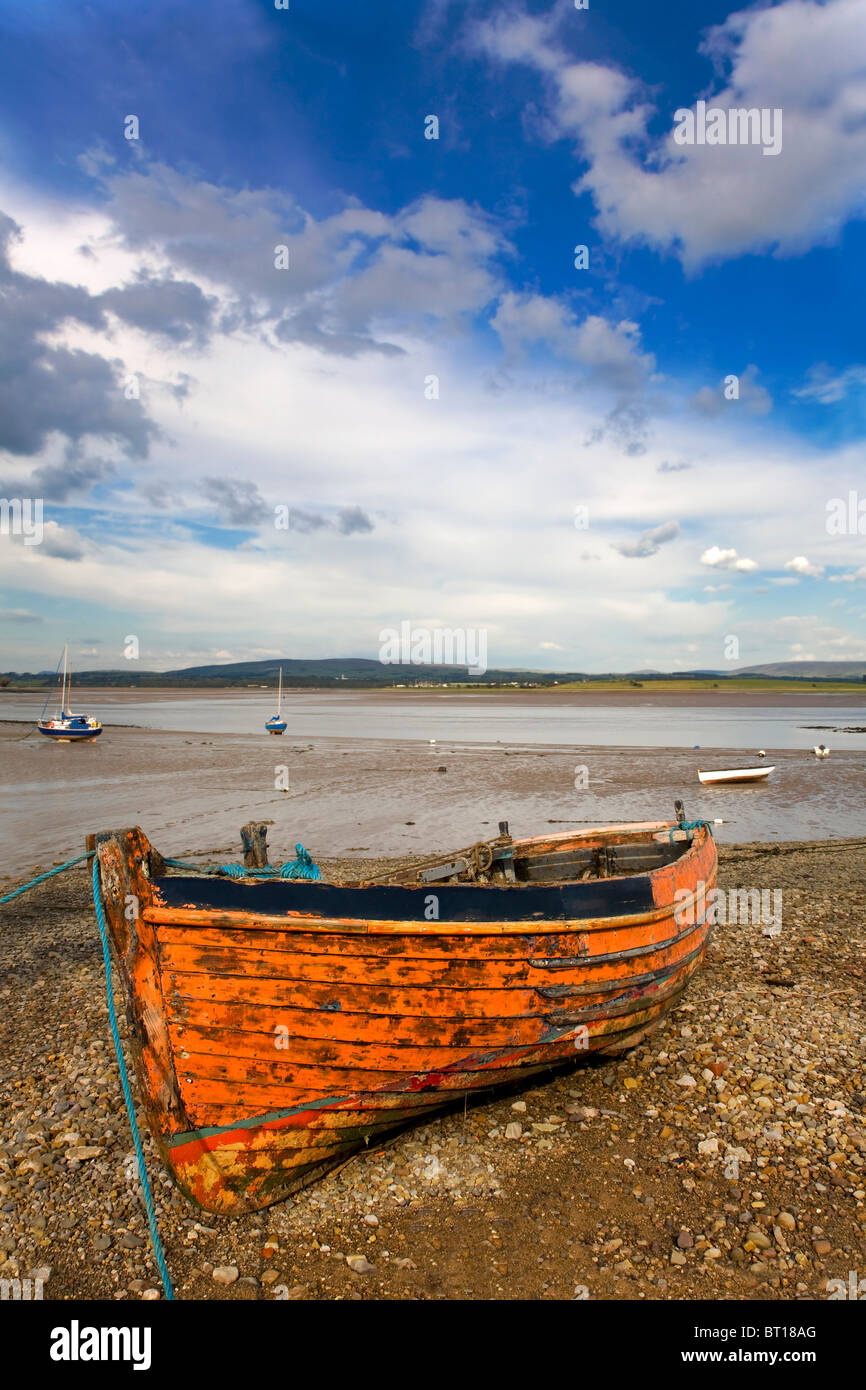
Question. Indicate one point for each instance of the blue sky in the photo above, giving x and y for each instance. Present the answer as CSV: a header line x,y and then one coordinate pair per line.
x,y
153,259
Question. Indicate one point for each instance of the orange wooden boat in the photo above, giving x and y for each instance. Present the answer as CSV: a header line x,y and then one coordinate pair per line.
x,y
280,1026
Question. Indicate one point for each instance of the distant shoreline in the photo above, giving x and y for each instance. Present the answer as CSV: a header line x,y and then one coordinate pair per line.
x,y
761,691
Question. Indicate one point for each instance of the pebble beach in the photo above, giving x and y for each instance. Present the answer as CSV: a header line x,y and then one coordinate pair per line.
x,y
724,1158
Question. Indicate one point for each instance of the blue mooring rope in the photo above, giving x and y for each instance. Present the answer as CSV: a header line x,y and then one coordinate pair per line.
x,y
127,1093
42,877
124,1078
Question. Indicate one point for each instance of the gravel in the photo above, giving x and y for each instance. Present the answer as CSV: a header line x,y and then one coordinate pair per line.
x,y
724,1158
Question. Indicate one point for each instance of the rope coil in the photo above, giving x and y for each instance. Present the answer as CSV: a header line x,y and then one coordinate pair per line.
x,y
302,866
688,826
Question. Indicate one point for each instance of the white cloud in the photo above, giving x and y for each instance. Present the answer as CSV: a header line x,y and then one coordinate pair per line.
x,y
650,542
609,351
849,578
828,388
473,494
800,565
714,202
717,558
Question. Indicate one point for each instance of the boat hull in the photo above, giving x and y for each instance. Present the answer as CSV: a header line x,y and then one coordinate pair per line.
x,y
736,774
70,735
281,1027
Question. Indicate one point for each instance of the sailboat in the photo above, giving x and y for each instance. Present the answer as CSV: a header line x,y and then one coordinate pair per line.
x,y
277,725
66,727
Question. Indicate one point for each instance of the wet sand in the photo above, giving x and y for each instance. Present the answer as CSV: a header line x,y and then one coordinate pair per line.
x,y
191,793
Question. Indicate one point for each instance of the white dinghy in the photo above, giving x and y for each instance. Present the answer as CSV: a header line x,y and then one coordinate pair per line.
x,y
736,774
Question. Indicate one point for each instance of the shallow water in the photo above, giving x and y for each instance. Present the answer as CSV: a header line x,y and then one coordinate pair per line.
x,y
482,720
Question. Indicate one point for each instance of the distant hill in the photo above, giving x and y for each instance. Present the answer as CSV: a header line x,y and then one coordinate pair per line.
x,y
359,672
808,670
344,672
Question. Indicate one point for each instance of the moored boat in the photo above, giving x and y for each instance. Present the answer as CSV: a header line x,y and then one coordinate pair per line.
x,y
736,774
279,1026
66,727
277,724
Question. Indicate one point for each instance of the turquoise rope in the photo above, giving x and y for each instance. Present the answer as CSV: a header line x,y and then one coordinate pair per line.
x,y
300,867
124,1078
127,1093
42,877
690,825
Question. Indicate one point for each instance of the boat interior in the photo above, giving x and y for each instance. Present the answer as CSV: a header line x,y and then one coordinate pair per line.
x,y
560,859
608,860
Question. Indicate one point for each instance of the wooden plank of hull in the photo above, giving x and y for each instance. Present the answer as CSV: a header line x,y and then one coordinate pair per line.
x,y
353,1064
597,951
384,1021
234,1169
254,1030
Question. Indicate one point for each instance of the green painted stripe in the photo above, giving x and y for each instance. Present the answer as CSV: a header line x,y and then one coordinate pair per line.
x,y
269,1118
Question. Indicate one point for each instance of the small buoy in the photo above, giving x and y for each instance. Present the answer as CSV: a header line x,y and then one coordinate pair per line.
x,y
762,753
696,745
431,740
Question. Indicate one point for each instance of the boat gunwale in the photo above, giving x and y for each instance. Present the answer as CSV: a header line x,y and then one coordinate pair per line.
x,y
196,915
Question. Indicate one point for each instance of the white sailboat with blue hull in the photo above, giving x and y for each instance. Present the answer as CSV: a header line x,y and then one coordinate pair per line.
x,y
278,725
66,727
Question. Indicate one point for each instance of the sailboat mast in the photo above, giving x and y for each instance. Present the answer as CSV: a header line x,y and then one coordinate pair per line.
x,y
280,694
63,689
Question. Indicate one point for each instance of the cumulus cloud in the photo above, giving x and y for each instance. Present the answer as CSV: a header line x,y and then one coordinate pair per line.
x,y
349,521
800,565
61,542
718,558
239,503
850,578
353,520
174,309
75,472
300,520
627,425
47,389
340,283
609,351
802,56
650,542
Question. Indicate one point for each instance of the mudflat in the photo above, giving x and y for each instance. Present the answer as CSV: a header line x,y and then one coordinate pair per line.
x,y
190,792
